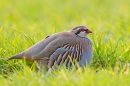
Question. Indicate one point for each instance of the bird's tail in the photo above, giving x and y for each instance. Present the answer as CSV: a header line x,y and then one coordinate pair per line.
x,y
18,56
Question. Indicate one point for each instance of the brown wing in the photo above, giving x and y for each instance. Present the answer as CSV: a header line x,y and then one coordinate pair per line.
x,y
58,51
52,46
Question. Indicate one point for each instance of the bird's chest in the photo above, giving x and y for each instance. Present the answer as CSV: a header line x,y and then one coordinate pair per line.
x,y
86,44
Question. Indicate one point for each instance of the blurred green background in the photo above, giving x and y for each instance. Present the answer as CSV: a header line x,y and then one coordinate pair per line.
x,y
25,22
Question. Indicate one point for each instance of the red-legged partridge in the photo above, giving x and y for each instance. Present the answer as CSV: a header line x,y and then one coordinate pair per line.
x,y
59,48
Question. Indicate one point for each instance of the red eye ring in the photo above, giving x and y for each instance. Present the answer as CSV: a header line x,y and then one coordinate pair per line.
x,y
82,29
86,30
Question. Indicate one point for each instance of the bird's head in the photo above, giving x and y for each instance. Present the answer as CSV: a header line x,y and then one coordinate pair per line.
x,y
81,31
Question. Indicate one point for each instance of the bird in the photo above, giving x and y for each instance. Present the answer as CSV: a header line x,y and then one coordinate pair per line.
x,y
60,48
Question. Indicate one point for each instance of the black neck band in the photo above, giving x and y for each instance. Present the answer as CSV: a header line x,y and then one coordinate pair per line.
x,y
77,32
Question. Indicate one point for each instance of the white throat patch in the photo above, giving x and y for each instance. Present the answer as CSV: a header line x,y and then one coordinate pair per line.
x,y
82,34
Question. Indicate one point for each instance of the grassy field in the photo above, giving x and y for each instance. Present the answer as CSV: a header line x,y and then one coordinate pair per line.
x,y
25,22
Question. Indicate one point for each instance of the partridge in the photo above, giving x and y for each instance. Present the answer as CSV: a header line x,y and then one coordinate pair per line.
x,y
59,48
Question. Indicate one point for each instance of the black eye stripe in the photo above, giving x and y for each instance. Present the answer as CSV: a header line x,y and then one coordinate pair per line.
x,y
80,30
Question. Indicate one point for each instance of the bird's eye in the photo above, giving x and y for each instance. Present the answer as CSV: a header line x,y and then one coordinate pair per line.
x,y
82,29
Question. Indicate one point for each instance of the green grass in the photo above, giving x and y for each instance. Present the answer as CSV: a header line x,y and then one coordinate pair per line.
x,y
25,22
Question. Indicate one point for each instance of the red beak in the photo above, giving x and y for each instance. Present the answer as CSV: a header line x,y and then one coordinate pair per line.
x,y
88,31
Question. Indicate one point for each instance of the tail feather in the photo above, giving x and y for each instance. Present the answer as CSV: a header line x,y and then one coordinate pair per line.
x,y
18,56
